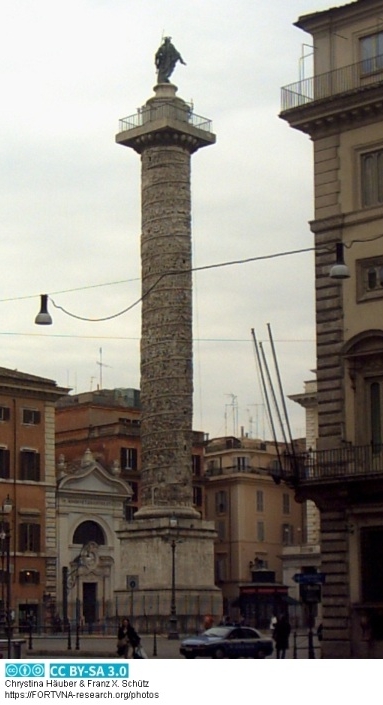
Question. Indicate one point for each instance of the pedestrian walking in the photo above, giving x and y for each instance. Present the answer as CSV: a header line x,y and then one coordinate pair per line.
x,y
272,624
126,637
281,635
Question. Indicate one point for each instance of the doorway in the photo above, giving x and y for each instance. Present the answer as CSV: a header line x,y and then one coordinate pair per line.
x,y
89,603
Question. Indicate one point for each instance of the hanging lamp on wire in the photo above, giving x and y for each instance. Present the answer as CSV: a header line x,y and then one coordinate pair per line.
x,y
339,270
43,318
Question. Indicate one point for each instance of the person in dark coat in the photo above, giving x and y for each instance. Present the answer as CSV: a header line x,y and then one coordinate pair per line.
x,y
281,635
126,637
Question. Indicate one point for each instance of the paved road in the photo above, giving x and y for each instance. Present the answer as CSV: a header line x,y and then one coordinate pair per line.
x,y
102,646
156,647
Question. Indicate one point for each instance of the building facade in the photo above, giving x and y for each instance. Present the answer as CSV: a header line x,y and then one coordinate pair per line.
x,y
91,507
306,558
340,109
99,470
309,401
254,517
28,480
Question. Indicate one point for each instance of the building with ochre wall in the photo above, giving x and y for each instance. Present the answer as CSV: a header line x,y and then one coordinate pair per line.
x,y
254,517
28,479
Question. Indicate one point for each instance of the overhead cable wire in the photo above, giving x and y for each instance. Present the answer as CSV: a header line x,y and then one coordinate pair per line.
x,y
228,263
215,265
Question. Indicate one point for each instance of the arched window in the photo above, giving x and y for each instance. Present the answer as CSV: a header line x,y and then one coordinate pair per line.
x,y
89,531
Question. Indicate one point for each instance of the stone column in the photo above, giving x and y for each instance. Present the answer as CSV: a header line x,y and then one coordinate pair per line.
x,y
166,137
166,133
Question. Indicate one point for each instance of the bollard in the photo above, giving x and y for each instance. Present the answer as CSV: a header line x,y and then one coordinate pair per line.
x,y
295,655
311,652
154,643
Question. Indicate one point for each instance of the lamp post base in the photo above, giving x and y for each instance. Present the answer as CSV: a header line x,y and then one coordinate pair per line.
x,y
173,631
173,635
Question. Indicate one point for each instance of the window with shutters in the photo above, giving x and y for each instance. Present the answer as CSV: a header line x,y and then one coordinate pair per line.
x,y
196,465
29,538
4,463
369,278
372,178
5,413
31,417
220,502
371,53
287,534
286,503
259,500
260,531
197,496
29,577
29,465
128,458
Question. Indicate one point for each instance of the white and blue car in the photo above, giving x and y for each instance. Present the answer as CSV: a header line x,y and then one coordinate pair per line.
x,y
228,642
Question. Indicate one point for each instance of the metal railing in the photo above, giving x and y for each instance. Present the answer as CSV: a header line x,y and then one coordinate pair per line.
x,y
148,613
154,112
234,470
348,462
354,77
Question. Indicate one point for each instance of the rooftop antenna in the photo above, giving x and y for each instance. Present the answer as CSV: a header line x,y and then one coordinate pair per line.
x,y
259,433
250,422
101,365
234,408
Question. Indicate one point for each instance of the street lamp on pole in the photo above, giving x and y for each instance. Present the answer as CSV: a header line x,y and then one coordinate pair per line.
x,y
87,559
5,537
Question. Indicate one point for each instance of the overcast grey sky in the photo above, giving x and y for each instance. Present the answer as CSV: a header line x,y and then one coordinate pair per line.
x,y
70,197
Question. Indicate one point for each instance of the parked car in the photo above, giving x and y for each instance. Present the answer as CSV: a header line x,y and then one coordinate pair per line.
x,y
228,642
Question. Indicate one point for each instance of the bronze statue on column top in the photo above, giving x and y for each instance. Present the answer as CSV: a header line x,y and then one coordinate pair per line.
x,y
165,60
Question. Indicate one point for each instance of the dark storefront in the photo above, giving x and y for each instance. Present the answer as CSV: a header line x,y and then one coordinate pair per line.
x,y
262,598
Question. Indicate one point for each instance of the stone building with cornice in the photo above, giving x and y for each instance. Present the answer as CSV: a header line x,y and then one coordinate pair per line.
x,y
340,109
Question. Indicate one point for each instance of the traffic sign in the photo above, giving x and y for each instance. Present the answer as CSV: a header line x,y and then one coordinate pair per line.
x,y
309,578
132,582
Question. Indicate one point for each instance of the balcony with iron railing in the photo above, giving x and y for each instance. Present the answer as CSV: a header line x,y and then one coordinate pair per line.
x,y
348,79
164,110
347,463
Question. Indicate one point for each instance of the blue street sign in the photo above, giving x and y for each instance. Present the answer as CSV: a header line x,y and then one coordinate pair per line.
x,y
309,578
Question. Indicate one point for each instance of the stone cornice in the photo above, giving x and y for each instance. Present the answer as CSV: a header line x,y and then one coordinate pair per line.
x,y
352,11
169,133
336,222
342,111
